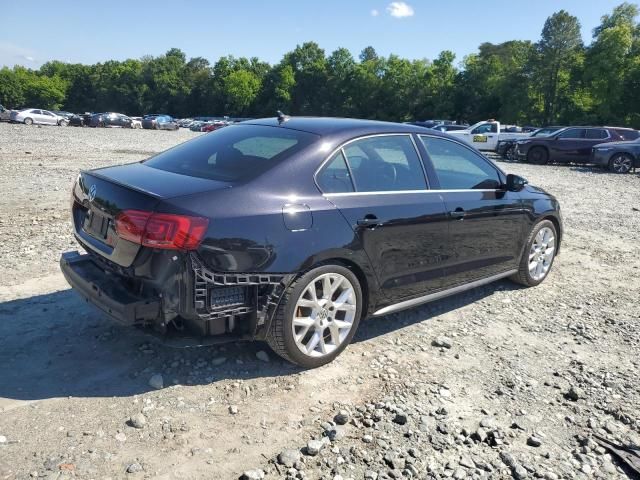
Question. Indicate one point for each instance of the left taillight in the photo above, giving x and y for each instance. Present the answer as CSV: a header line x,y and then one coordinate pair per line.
x,y
161,230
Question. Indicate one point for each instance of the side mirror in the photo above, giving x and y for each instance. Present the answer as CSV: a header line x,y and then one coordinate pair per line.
x,y
515,183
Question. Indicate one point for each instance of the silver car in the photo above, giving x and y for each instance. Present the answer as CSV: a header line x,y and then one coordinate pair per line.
x,y
29,116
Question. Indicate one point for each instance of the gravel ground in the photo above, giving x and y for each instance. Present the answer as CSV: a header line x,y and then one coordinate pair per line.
x,y
499,382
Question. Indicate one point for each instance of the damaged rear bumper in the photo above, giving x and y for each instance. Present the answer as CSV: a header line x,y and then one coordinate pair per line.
x,y
199,304
106,291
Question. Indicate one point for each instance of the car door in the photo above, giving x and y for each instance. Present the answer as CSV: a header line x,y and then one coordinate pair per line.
x,y
35,115
593,136
485,136
485,220
49,118
379,186
565,146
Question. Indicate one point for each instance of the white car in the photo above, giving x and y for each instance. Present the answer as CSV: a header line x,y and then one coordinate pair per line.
x,y
30,116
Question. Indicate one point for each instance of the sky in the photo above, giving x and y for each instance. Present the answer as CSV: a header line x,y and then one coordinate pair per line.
x,y
35,31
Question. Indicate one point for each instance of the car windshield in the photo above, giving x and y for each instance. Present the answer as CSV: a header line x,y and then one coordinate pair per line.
x,y
233,154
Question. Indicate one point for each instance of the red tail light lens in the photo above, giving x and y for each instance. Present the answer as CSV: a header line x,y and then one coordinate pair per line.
x,y
161,230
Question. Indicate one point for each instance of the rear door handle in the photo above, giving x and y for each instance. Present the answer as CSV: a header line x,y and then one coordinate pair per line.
x,y
458,213
369,220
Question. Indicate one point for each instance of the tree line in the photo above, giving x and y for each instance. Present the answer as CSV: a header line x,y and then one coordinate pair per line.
x,y
557,80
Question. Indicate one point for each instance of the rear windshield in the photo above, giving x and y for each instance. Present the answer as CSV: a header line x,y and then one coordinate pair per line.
x,y
628,134
233,154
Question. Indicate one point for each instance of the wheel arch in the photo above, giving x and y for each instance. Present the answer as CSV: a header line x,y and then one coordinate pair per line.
x,y
556,223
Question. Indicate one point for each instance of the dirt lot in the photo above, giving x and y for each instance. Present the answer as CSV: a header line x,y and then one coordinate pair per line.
x,y
500,382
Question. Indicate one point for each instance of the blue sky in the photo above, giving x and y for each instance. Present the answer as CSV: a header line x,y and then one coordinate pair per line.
x,y
35,31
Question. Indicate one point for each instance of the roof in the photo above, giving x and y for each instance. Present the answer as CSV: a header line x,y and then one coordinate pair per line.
x,y
333,125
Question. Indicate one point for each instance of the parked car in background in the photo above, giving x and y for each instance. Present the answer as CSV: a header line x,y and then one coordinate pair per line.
x,y
390,217
211,126
80,120
618,157
30,116
506,147
196,125
159,122
486,135
185,122
431,123
5,114
136,122
449,127
110,119
62,113
570,144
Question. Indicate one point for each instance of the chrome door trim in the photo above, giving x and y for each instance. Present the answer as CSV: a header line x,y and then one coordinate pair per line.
x,y
391,192
441,294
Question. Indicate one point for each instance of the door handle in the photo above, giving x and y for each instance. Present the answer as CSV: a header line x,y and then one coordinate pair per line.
x,y
458,213
369,220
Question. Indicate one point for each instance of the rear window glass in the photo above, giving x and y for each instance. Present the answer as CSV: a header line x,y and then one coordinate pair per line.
x,y
628,134
233,154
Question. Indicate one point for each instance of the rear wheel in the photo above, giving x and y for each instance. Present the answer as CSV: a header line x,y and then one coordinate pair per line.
x,y
317,317
538,156
28,121
621,163
538,255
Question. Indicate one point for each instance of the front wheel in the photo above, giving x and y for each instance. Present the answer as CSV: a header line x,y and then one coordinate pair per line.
x,y
63,123
538,255
621,163
538,156
317,317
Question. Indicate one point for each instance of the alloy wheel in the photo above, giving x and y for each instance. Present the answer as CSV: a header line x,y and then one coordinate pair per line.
x,y
324,314
541,253
621,164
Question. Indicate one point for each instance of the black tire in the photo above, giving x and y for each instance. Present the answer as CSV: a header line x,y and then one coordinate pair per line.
x,y
280,336
621,163
538,156
523,276
28,121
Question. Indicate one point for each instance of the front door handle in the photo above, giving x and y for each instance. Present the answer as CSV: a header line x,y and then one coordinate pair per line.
x,y
458,213
369,220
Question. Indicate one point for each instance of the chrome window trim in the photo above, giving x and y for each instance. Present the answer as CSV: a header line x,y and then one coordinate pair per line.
x,y
389,192
353,180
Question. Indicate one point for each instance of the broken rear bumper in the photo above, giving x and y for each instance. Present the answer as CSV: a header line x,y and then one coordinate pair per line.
x,y
106,291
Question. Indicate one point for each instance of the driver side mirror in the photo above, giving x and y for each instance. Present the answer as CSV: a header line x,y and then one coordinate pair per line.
x,y
515,183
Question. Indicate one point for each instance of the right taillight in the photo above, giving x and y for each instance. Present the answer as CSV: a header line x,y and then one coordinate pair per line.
x,y
161,230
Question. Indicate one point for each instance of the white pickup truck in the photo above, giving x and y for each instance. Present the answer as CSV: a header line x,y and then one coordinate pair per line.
x,y
485,135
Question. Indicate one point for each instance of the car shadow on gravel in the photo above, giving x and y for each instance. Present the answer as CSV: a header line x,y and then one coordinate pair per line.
x,y
55,345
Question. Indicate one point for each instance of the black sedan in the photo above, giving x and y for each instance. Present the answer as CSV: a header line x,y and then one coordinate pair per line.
x,y
159,122
619,157
570,145
507,148
110,119
293,230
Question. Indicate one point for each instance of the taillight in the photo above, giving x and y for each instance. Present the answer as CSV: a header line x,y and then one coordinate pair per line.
x,y
161,230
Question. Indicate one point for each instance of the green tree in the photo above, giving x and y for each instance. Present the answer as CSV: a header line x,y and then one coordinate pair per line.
x,y
241,88
559,50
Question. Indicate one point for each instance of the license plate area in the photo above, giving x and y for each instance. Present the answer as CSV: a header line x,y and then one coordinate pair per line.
x,y
96,224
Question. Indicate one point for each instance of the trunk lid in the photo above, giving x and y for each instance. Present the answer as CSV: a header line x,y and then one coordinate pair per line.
x,y
100,195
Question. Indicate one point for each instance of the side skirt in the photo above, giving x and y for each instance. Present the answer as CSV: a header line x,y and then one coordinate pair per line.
x,y
441,294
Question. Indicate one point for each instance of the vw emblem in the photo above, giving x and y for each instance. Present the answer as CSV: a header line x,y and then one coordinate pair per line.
x,y
92,193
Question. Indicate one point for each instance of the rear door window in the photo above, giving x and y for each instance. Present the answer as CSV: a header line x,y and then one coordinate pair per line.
x,y
233,154
385,163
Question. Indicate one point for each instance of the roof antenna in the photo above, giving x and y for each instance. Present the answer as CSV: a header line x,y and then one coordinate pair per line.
x,y
282,117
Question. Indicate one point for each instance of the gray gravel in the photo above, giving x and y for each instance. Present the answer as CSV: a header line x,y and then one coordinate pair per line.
x,y
500,382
